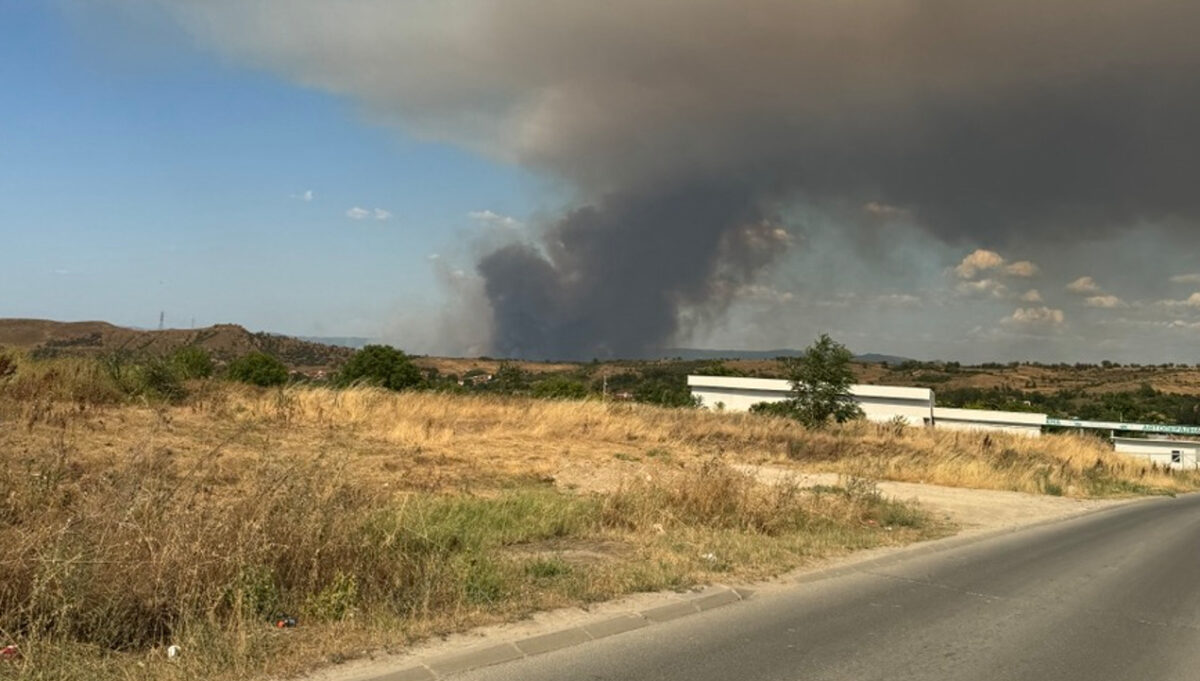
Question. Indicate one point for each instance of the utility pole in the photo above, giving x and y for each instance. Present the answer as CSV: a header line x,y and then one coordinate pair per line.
x,y
162,316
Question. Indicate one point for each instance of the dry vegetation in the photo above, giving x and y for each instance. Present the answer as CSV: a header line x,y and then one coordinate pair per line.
x,y
378,518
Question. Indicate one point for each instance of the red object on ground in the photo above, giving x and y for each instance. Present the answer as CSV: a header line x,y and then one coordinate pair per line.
x,y
9,653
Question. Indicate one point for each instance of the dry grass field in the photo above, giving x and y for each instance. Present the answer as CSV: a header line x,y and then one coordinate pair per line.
x,y
379,518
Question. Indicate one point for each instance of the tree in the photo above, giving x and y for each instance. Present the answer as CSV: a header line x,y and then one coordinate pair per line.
x,y
380,365
821,380
258,368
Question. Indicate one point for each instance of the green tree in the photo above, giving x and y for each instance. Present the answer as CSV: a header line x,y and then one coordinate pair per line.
x,y
380,365
821,380
258,368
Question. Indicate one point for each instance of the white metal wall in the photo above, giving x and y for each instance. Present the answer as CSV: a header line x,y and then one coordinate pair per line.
x,y
1166,453
1016,423
878,402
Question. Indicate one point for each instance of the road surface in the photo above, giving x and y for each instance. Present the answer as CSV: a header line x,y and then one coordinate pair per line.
x,y
1111,595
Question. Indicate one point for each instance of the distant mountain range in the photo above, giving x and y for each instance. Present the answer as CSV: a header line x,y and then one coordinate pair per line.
x,y
354,342
227,341
699,353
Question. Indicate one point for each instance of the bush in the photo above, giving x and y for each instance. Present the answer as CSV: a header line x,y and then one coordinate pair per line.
x,y
666,392
510,378
258,368
159,378
380,365
560,388
192,362
784,408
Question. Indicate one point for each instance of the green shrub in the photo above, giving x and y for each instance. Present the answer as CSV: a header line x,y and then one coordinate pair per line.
x,y
665,392
192,362
337,600
784,408
258,368
380,365
560,388
510,378
158,378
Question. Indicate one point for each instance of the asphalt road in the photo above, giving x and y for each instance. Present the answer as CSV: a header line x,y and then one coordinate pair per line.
x,y
1112,595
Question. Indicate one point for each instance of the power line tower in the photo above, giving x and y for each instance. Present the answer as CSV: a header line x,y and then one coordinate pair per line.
x,y
162,316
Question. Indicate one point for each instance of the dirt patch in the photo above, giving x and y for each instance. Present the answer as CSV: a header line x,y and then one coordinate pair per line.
x,y
970,509
573,552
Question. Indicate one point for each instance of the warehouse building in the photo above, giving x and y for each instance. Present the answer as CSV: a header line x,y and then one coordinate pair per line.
x,y
880,403
1013,422
1165,453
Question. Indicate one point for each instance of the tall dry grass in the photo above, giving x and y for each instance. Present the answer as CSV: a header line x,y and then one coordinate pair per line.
x,y
127,527
503,429
376,517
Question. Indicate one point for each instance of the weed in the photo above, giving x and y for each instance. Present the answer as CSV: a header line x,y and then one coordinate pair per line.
x,y
547,568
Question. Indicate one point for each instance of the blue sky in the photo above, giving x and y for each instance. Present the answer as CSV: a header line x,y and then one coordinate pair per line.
x,y
139,173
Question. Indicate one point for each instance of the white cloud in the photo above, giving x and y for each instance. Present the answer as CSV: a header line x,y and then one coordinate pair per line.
x,y
1191,301
433,256
1021,268
992,287
1192,278
494,219
1032,296
359,213
1084,285
979,261
769,294
898,300
883,210
1108,302
1035,316
306,197
983,260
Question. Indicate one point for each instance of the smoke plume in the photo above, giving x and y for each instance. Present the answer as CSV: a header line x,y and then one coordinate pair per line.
x,y
683,127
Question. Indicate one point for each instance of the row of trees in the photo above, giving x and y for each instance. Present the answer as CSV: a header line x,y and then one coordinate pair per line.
x,y
821,378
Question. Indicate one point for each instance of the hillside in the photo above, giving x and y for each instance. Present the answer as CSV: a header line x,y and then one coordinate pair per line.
x,y
1089,379
227,341
224,341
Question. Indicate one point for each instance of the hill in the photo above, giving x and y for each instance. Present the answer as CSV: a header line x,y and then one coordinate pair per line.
x,y
702,353
224,341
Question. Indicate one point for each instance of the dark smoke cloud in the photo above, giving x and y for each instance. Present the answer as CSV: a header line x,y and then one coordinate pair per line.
x,y
614,274
680,122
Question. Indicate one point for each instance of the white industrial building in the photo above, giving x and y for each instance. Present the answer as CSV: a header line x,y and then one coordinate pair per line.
x,y
879,402
1165,453
1013,422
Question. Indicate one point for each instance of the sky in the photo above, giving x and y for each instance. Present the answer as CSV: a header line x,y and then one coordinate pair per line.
x,y
587,180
